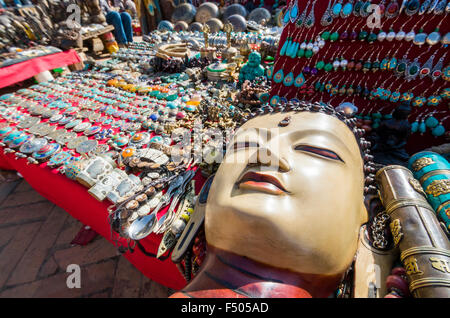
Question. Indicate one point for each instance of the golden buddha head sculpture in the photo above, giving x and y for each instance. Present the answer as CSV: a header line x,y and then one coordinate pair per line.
x,y
289,192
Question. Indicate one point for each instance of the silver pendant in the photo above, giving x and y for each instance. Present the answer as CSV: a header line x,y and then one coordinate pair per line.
x,y
426,68
440,8
424,7
403,6
433,6
82,127
302,18
437,70
364,12
310,20
403,62
412,70
412,7
86,146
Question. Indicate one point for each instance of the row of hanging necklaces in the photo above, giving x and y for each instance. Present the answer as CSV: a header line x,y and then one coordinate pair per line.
x,y
340,59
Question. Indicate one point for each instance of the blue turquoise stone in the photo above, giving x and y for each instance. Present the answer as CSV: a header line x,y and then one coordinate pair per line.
x,y
264,97
11,136
157,139
431,122
414,127
5,130
290,49
274,100
284,47
287,17
72,170
154,117
171,105
438,131
19,140
347,9
278,77
172,97
294,13
337,8
422,127
289,79
299,80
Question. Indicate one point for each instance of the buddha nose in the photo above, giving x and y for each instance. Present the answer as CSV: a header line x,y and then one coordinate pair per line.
x,y
265,157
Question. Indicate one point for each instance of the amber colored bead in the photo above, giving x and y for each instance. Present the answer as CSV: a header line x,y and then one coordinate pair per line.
x,y
351,65
350,91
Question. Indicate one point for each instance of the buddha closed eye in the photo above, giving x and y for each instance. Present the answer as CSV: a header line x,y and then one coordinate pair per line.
x,y
310,149
325,153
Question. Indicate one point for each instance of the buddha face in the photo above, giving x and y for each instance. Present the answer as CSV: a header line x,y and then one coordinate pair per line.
x,y
254,59
290,196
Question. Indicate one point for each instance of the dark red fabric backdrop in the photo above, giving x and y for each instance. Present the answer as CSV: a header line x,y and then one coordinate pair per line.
x,y
360,49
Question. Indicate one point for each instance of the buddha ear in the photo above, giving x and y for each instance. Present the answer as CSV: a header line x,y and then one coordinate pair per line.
x,y
364,213
372,206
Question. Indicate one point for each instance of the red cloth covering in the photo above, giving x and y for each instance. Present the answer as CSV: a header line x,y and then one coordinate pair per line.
x,y
74,199
21,71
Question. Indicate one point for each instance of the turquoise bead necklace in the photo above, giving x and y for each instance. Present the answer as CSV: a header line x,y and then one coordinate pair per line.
x,y
288,44
291,47
428,121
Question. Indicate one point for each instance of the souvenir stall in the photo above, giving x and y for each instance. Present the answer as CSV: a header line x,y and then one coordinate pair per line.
x,y
153,148
29,31
108,144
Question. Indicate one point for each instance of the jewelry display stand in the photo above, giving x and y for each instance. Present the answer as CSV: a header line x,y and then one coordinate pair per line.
x,y
329,54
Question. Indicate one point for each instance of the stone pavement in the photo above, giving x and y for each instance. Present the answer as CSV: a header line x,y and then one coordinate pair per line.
x,y
35,251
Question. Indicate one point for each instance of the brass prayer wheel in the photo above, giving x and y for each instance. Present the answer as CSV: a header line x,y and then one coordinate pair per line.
x,y
424,247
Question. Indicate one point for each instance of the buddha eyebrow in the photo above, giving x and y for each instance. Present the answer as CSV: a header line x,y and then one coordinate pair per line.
x,y
245,144
320,151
